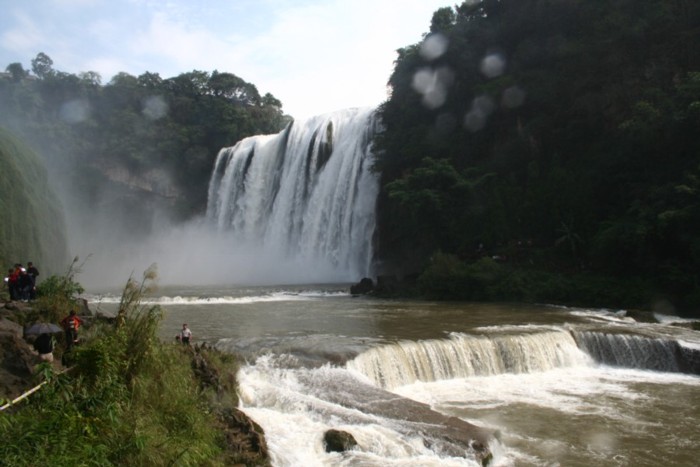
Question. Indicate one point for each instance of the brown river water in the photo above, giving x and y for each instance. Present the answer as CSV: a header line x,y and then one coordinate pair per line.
x,y
562,386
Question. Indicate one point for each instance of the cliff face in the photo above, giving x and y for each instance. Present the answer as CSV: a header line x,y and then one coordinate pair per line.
x,y
32,226
156,182
16,357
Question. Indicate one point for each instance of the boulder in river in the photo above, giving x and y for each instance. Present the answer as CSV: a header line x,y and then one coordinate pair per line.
x,y
338,441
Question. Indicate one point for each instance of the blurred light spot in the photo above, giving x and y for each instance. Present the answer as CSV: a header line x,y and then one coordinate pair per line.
x,y
433,85
474,120
482,107
423,80
513,97
154,107
493,65
75,111
434,46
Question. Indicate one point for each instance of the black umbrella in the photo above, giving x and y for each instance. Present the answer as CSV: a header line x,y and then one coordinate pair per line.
x,y
43,328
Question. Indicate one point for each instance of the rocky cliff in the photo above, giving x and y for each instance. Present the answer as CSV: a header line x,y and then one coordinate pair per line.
x,y
32,226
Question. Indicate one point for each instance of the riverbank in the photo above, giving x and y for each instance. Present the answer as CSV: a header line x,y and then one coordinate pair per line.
x,y
489,280
129,398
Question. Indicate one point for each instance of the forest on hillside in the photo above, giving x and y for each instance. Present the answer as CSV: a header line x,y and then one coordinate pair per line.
x,y
537,150
547,149
134,125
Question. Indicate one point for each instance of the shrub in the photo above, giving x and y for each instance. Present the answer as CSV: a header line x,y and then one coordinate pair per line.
x,y
57,296
130,399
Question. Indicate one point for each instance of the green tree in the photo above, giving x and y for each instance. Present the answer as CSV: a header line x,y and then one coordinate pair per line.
x,y
582,114
42,65
17,71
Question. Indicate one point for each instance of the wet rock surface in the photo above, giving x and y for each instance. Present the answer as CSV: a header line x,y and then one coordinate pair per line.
x,y
338,441
450,436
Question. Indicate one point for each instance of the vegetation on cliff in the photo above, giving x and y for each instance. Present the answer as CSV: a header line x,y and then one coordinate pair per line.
x,y
162,135
31,219
130,399
558,139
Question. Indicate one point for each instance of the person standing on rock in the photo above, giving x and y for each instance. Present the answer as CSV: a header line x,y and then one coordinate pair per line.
x,y
24,285
33,273
13,282
185,335
70,324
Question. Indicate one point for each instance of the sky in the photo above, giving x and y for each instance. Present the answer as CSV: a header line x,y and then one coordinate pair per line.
x,y
316,56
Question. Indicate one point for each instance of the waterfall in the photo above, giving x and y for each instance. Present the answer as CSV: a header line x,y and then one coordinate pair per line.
x,y
464,355
305,196
633,351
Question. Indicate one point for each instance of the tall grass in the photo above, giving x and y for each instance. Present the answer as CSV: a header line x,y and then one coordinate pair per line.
x,y
129,400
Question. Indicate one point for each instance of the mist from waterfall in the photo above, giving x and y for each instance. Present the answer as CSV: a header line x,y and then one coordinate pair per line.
x,y
302,201
297,207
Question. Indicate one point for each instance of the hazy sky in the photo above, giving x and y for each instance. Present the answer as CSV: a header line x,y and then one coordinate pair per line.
x,y
316,56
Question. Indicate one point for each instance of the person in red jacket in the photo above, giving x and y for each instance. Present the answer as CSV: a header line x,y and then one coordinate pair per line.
x,y
13,282
70,324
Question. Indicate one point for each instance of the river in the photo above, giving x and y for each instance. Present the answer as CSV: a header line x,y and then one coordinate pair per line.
x,y
562,386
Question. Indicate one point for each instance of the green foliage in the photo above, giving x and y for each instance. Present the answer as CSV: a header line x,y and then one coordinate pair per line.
x,y
32,227
175,125
128,400
570,126
448,278
57,296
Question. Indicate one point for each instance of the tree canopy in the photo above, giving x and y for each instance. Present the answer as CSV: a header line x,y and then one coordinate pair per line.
x,y
558,134
134,123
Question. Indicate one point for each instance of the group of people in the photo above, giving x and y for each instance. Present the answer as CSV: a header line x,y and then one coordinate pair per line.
x,y
21,282
44,344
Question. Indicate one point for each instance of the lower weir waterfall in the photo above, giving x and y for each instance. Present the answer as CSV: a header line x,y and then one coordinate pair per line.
x,y
465,355
305,196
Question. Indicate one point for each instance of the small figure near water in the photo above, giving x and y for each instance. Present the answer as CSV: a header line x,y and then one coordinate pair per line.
x,y
185,335
70,324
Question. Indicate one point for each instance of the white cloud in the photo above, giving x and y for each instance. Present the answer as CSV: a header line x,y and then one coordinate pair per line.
x,y
173,42
315,56
24,37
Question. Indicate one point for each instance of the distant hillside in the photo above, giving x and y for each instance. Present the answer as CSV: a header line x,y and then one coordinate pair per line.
x,y
31,219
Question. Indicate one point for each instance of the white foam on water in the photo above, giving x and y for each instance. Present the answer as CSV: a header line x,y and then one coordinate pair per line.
x,y
611,395
295,417
689,345
567,390
220,300
605,316
670,319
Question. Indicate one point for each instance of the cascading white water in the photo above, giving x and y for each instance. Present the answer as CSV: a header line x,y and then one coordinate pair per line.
x,y
631,351
463,355
306,195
